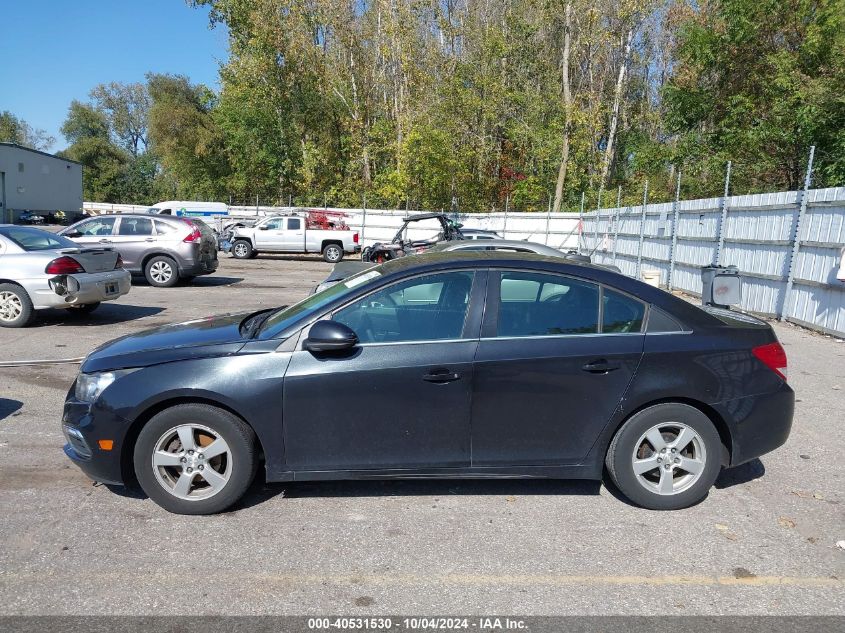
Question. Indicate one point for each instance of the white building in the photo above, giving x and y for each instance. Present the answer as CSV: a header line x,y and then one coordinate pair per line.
x,y
37,181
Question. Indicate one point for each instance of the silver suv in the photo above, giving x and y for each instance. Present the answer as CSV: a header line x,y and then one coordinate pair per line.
x,y
164,250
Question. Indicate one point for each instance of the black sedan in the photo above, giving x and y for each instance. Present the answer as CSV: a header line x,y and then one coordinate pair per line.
x,y
445,365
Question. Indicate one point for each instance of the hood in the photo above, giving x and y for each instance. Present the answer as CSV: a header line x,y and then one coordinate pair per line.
x,y
201,338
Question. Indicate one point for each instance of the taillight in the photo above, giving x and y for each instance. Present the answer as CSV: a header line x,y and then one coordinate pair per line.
x,y
64,266
119,263
355,238
195,233
773,356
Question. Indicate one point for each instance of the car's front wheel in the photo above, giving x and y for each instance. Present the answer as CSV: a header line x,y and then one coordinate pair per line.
x,y
195,459
665,457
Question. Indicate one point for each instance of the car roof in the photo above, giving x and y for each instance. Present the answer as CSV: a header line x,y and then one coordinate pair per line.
x,y
534,247
444,260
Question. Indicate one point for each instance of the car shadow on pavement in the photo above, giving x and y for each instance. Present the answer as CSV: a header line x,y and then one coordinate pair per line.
x,y
9,407
212,281
260,491
740,474
107,313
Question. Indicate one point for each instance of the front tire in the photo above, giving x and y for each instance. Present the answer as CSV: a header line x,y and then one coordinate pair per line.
x,y
195,459
332,253
242,249
15,306
665,457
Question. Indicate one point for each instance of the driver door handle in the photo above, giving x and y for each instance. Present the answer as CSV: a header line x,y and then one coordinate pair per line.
x,y
105,241
441,375
601,366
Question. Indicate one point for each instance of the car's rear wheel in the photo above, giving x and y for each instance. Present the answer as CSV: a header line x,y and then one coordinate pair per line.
x,y
332,253
195,459
242,249
15,306
161,272
665,457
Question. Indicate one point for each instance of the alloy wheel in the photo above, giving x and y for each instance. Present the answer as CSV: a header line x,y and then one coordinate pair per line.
x,y
332,253
192,462
668,458
11,306
240,250
161,272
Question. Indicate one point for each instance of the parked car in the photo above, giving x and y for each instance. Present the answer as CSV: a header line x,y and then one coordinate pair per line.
x,y
347,269
480,234
40,270
468,365
289,234
163,249
445,229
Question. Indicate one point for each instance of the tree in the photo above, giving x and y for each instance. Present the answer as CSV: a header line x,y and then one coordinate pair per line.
x,y
126,106
15,130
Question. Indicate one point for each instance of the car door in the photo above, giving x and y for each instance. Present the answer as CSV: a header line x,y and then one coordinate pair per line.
x,y
401,399
271,235
551,367
132,239
293,239
94,232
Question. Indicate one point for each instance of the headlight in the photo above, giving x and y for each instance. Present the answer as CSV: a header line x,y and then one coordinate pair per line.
x,y
90,386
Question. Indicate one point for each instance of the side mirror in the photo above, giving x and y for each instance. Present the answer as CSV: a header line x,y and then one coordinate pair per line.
x,y
263,228
72,234
330,336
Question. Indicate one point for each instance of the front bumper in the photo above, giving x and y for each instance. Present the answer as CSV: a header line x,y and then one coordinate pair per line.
x,y
81,289
84,426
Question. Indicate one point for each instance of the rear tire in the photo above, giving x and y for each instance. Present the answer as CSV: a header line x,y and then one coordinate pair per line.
x,y
665,457
242,249
15,306
202,484
161,271
332,253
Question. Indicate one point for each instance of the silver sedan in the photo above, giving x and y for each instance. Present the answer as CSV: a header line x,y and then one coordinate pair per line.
x,y
40,270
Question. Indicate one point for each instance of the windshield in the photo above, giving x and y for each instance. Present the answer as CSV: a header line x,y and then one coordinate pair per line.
x,y
280,320
35,239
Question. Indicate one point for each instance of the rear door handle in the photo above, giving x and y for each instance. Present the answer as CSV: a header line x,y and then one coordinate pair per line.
x,y
441,376
104,241
601,366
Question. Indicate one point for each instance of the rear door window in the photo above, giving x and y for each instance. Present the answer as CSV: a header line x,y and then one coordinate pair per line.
x,y
135,226
294,224
542,304
620,313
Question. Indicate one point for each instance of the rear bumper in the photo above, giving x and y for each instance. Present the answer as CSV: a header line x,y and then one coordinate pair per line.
x,y
80,289
761,423
198,267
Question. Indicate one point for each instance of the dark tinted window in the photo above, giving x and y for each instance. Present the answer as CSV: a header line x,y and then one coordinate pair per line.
x,y
539,304
293,224
135,226
428,308
659,321
621,313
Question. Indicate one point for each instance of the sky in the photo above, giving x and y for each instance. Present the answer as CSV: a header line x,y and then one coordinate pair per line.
x,y
54,51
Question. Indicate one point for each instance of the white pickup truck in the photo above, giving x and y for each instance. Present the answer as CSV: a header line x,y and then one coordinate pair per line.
x,y
289,234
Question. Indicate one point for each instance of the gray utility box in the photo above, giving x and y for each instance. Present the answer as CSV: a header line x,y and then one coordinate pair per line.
x,y
721,286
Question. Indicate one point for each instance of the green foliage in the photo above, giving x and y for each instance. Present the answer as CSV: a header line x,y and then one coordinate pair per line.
x,y
15,130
